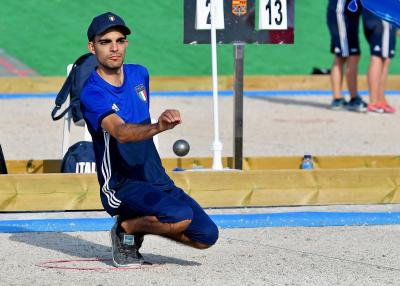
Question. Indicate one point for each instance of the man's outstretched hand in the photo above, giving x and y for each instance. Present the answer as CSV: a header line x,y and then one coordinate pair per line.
x,y
169,119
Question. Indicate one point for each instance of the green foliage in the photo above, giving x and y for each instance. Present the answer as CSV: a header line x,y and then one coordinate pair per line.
x,y
48,34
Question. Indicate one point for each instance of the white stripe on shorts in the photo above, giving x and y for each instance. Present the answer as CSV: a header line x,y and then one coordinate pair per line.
x,y
106,172
344,45
385,39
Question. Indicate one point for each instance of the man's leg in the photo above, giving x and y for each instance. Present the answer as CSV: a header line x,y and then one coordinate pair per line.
x,y
127,237
351,74
381,38
202,232
336,76
374,78
387,108
151,225
384,73
356,103
145,210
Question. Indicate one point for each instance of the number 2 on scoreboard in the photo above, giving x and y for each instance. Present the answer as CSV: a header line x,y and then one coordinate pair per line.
x,y
272,15
203,15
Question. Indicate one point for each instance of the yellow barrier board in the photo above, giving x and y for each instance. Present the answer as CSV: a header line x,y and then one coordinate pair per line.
x,y
49,192
249,163
39,192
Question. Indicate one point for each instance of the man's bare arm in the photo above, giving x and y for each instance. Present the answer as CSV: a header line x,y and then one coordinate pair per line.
x,y
128,132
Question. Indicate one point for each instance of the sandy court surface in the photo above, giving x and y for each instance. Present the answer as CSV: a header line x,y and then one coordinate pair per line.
x,y
357,255
273,126
260,256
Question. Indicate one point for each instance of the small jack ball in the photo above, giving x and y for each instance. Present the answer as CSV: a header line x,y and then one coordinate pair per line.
x,y
181,147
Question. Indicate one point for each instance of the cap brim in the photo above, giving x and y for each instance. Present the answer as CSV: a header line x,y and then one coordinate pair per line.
x,y
124,29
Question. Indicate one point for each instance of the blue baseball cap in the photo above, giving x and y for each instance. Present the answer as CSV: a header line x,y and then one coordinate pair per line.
x,y
103,22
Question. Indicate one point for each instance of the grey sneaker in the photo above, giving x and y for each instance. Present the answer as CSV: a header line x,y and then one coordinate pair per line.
x,y
357,104
125,248
338,103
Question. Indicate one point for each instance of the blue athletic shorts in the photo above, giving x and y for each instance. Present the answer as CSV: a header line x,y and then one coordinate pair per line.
x,y
343,27
381,35
174,205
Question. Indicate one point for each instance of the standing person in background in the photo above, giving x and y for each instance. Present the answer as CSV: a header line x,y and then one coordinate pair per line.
x,y
343,27
381,36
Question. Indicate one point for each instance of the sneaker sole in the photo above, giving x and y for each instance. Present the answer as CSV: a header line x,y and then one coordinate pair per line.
x,y
357,109
376,112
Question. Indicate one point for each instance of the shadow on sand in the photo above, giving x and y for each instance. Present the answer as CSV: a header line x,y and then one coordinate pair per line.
x,y
291,101
79,247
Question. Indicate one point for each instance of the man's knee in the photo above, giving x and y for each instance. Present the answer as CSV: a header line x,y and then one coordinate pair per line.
x,y
183,217
209,237
213,234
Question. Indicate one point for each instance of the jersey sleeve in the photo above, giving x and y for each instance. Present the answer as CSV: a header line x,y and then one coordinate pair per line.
x,y
95,107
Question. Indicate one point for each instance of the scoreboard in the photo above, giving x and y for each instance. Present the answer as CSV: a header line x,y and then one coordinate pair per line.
x,y
236,22
246,21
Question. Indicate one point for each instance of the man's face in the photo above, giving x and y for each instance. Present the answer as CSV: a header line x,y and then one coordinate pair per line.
x,y
109,49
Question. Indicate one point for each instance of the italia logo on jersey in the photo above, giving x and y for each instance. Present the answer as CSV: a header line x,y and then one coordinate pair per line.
x,y
141,92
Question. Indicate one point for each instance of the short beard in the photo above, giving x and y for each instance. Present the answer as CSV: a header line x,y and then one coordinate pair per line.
x,y
110,69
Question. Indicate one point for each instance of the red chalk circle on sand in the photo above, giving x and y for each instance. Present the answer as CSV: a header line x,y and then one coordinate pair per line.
x,y
64,264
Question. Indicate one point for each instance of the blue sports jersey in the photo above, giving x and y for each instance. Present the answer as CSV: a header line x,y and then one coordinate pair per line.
x,y
117,162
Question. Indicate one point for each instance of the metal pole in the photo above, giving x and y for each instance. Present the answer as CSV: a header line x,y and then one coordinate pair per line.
x,y
217,145
238,106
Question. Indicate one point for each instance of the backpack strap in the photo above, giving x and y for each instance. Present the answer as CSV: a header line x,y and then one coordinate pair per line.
x,y
66,89
62,96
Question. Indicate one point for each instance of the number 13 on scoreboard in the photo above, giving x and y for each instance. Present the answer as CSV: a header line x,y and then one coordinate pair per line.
x,y
272,15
